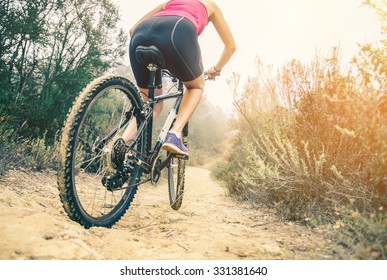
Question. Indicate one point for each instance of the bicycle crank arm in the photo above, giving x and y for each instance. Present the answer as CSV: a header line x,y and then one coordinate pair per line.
x,y
143,165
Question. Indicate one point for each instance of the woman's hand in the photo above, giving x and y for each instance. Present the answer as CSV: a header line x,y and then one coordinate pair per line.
x,y
212,73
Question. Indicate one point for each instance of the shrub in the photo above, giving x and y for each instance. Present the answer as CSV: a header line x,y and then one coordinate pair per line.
x,y
9,151
33,154
42,156
312,142
363,236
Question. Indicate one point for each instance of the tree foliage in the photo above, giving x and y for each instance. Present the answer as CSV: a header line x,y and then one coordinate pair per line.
x,y
372,59
49,50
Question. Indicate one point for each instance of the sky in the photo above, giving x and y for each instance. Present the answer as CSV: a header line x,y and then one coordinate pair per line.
x,y
276,31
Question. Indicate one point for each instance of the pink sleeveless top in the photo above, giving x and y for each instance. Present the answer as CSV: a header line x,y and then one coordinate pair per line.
x,y
193,10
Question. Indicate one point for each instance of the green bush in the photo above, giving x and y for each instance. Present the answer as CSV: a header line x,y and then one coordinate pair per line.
x,y
9,151
42,156
18,153
362,236
49,50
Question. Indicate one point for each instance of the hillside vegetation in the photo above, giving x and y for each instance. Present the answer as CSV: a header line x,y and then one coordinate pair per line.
x,y
311,142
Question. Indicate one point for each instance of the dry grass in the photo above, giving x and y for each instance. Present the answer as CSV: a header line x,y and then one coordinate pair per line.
x,y
309,152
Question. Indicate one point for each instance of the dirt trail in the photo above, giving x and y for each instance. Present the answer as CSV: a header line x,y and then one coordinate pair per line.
x,y
210,225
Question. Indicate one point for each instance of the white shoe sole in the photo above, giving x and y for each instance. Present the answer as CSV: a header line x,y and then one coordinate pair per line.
x,y
174,150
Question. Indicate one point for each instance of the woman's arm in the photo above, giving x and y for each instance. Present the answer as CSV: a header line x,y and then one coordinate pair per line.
x,y
221,26
159,8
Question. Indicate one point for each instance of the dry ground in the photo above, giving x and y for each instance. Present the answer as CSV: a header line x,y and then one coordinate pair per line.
x,y
209,226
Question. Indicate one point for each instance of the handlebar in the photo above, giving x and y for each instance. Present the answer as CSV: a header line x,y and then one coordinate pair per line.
x,y
207,77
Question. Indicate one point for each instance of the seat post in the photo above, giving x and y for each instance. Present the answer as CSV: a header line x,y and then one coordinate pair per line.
x,y
151,96
152,82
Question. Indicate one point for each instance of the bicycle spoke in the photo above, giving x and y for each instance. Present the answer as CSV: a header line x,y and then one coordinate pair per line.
x,y
104,122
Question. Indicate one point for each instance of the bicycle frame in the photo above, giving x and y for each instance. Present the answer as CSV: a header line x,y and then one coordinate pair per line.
x,y
152,152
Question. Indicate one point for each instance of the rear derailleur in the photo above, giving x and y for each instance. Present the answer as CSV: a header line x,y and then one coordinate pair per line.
x,y
118,170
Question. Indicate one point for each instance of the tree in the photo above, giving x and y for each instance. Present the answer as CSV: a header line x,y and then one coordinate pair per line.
x,y
49,50
372,59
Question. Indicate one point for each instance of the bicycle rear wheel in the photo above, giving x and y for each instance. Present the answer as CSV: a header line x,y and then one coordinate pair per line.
x,y
96,120
176,180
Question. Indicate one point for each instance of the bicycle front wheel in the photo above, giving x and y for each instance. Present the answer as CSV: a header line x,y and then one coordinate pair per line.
x,y
97,119
176,180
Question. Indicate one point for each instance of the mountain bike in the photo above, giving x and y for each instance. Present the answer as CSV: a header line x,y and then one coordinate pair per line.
x,y
99,174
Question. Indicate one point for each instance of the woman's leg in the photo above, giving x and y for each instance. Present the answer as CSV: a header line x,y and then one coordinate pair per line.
x,y
131,129
190,102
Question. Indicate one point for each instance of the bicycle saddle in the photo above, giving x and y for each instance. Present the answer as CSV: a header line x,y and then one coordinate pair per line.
x,y
150,55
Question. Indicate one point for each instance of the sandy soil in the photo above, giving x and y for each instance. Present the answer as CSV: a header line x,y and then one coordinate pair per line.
x,y
209,226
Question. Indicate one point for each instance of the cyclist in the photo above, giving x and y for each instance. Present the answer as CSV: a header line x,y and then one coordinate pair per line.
x,y
174,27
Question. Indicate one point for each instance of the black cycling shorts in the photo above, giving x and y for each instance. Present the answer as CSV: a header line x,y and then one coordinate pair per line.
x,y
177,39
